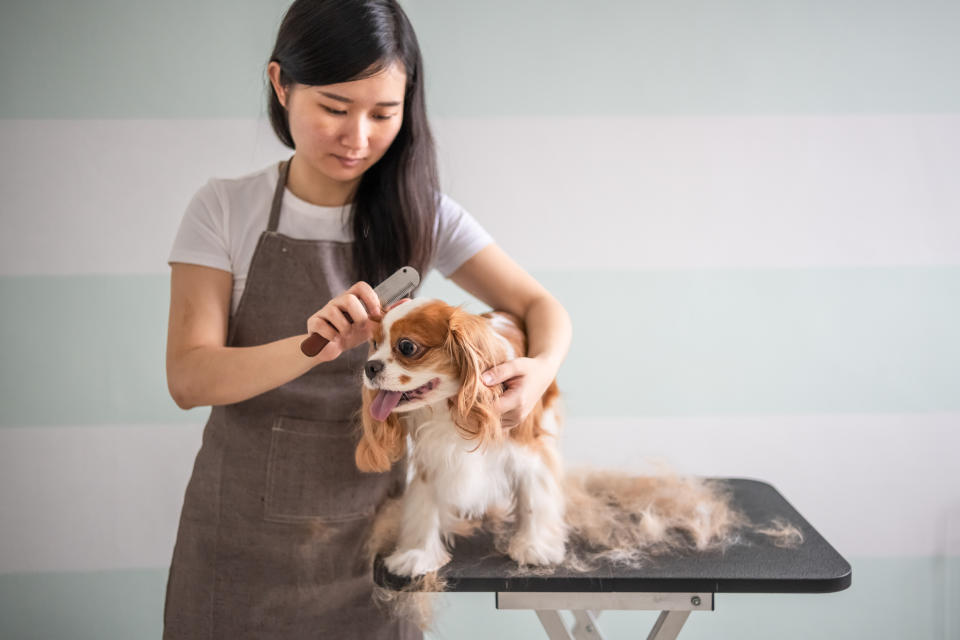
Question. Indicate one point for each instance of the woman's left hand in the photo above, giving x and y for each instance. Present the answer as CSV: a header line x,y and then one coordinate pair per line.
x,y
525,379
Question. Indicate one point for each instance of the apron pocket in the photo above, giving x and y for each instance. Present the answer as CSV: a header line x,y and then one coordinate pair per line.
x,y
311,474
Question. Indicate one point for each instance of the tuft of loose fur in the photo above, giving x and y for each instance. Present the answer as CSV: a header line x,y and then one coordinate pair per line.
x,y
626,519
782,534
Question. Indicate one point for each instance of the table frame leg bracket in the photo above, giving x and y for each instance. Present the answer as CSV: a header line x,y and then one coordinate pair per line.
x,y
674,609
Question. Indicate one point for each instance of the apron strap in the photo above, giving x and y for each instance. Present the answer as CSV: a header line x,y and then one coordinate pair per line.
x,y
283,166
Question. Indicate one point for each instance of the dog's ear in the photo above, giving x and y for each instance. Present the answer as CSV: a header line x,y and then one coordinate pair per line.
x,y
382,442
474,348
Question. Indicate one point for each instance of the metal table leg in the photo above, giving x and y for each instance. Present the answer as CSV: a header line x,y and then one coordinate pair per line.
x,y
553,623
674,609
668,625
586,627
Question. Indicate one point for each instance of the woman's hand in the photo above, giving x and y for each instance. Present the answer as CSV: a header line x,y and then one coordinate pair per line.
x,y
526,379
344,321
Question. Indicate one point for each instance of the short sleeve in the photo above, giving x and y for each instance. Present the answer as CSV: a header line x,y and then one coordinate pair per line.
x,y
459,236
202,236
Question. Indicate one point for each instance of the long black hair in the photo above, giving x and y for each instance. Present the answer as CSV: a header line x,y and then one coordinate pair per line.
x,y
395,206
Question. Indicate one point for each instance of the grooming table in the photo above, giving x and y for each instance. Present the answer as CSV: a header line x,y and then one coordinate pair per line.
x,y
674,585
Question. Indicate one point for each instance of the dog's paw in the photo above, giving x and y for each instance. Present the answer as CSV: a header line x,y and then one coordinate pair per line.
x,y
415,562
525,550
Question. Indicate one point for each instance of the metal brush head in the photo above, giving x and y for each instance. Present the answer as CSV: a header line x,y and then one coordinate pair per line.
x,y
402,283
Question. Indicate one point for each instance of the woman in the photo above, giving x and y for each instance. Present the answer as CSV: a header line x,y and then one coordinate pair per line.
x,y
275,513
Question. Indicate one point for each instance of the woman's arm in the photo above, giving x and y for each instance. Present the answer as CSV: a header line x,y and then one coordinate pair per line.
x,y
201,370
493,277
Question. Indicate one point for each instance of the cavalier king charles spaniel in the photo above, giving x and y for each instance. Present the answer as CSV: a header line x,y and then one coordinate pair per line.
x,y
427,357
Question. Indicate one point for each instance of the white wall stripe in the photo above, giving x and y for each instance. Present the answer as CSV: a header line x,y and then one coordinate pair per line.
x,y
872,484
102,498
106,196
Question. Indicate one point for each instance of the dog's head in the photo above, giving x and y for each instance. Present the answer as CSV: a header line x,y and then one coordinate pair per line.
x,y
426,352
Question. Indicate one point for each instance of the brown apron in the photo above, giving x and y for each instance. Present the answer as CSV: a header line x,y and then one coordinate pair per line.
x,y
276,513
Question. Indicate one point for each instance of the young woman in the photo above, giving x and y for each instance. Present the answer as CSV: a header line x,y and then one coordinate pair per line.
x,y
275,513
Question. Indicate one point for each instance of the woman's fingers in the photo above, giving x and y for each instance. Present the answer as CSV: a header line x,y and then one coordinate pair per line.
x,y
357,312
318,324
364,292
334,314
345,318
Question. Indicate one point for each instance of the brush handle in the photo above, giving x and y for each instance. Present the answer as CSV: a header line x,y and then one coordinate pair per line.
x,y
315,343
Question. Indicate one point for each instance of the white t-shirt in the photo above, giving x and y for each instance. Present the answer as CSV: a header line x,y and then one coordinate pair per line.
x,y
226,216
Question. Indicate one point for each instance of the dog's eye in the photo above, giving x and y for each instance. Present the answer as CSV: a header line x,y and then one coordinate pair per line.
x,y
406,347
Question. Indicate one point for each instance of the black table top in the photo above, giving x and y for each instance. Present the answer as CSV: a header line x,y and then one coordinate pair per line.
x,y
753,566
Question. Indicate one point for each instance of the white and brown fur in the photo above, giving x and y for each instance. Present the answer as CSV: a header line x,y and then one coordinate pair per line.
x,y
464,465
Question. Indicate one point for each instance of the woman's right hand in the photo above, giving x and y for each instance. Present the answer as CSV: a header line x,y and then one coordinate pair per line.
x,y
332,320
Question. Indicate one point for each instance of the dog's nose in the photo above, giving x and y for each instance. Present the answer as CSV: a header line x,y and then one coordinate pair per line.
x,y
373,367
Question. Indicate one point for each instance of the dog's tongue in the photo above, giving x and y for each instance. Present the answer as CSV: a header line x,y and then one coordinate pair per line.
x,y
384,403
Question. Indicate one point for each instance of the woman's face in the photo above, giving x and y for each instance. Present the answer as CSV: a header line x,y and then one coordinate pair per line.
x,y
343,129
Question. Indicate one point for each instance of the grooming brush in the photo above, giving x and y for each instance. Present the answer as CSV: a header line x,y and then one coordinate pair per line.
x,y
400,284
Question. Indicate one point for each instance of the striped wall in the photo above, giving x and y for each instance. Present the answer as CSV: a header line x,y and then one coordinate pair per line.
x,y
750,210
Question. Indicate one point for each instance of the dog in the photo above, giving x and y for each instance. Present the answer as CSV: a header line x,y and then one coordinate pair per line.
x,y
425,360
421,389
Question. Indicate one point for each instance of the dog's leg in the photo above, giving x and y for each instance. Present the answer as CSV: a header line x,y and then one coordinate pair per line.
x,y
541,530
420,548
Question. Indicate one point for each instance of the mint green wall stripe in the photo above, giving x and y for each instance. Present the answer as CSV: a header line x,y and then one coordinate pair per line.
x,y
90,349
890,598
180,59
117,59
94,605
85,349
